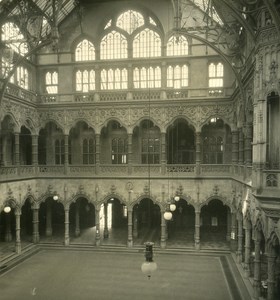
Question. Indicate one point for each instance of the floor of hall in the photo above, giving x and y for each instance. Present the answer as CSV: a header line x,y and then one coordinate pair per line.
x,y
103,275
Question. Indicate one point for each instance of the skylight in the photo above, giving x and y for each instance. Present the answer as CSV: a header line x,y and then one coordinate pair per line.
x,y
205,5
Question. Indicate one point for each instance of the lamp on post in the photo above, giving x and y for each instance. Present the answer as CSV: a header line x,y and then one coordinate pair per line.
x,y
171,206
149,266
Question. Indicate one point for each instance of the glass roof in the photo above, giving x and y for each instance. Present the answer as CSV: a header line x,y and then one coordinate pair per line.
x,y
208,8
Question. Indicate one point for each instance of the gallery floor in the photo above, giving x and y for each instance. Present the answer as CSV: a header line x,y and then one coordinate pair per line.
x,y
105,275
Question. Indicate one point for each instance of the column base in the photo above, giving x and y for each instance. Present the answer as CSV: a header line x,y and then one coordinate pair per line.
x,y
130,243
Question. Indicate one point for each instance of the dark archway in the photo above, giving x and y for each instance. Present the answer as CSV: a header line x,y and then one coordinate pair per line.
x,y
26,223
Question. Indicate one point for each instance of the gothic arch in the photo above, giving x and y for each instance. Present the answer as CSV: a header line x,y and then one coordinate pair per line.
x,y
147,196
216,197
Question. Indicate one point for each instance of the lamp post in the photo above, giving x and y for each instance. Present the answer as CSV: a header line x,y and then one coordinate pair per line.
x,y
149,266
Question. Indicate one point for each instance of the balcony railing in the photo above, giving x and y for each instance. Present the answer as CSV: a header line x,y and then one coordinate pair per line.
x,y
123,170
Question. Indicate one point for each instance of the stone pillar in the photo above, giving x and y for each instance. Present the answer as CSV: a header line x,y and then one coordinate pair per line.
x,y
198,151
97,153
49,219
18,241
257,266
163,231
97,226
66,224
163,80
77,219
240,147
271,263
17,162
8,232
248,145
129,153
35,221
106,230
135,223
34,150
197,229
247,249
129,224
240,237
234,158
66,154
163,153
233,235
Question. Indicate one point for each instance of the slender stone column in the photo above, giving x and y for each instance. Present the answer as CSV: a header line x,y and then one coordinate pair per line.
x,y
197,229
106,231
271,259
248,145
129,224
240,238
247,249
135,223
163,231
257,266
240,147
233,232
18,241
35,221
163,152
66,224
17,162
8,232
129,153
97,153
77,219
66,154
198,151
34,150
49,219
97,226
234,147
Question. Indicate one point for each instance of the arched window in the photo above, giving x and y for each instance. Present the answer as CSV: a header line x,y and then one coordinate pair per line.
x,y
85,81
119,151
51,82
113,46
130,20
177,45
150,150
13,38
147,43
88,151
59,151
22,75
147,77
216,75
114,79
177,76
85,51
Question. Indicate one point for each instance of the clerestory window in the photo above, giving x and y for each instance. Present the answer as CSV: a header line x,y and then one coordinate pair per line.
x,y
114,79
130,21
147,43
113,46
85,51
85,81
177,45
216,75
177,76
51,82
147,77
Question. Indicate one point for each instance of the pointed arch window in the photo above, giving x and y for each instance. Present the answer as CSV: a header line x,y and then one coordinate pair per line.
x,y
177,45
113,46
114,79
119,150
147,43
51,82
89,151
85,51
147,77
177,76
13,38
59,152
216,75
85,81
130,21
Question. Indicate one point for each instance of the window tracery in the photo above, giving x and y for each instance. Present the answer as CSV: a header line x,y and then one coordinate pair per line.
x,y
85,51
113,46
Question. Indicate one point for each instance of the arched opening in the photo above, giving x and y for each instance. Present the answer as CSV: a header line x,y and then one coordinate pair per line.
x,y
25,143
181,227
51,220
146,222
82,221
7,141
26,218
214,224
7,226
180,143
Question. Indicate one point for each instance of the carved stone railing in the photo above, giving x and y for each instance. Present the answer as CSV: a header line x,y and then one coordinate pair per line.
x,y
18,92
123,170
